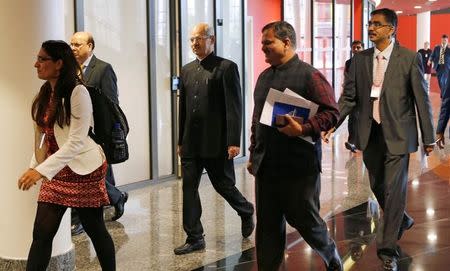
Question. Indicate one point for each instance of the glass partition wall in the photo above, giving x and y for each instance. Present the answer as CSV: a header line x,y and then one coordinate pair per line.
x,y
326,25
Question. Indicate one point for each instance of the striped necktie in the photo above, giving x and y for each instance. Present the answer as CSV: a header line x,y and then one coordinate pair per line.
x,y
441,55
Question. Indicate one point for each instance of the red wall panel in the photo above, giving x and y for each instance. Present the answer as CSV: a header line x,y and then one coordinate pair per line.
x,y
439,25
263,12
357,19
407,31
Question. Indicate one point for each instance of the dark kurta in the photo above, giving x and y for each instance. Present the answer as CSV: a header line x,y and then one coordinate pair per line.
x,y
276,150
210,107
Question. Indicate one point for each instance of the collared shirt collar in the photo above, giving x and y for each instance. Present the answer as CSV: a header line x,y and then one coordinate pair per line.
x,y
386,53
294,59
86,63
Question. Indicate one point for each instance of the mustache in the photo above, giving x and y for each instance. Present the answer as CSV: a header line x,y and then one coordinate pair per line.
x,y
371,32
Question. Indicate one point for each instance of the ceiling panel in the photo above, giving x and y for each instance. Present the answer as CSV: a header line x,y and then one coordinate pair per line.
x,y
407,6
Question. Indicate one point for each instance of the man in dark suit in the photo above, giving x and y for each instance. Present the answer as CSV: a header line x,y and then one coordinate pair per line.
x,y
286,167
357,46
210,134
99,74
441,63
444,116
384,87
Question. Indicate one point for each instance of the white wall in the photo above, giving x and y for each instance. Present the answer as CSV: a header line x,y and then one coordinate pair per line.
x,y
120,33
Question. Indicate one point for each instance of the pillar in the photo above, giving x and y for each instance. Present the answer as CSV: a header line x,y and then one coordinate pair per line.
x,y
24,26
423,29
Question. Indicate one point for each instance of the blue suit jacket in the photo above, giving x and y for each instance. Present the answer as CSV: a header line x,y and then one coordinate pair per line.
x,y
435,58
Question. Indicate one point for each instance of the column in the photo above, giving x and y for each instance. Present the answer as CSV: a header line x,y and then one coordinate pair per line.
x,y
423,29
24,26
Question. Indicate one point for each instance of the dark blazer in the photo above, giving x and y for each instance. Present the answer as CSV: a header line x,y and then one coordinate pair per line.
x,y
444,115
404,89
101,74
435,58
210,117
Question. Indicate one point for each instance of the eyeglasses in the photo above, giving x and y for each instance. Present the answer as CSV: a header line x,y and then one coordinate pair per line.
x,y
199,38
42,59
77,45
376,25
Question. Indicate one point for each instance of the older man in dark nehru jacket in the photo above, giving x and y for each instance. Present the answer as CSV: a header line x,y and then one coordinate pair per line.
x,y
210,134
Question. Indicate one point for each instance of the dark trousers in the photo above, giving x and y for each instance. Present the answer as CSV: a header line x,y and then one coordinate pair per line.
x,y
442,75
295,200
221,174
351,128
113,193
388,174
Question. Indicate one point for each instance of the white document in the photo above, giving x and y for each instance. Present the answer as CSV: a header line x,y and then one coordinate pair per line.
x,y
287,102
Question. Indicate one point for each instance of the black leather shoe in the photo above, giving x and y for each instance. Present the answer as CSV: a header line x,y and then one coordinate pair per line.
x,y
390,264
120,206
247,226
190,247
76,229
349,146
335,263
406,225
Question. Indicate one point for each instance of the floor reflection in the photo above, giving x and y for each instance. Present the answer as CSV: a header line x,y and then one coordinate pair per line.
x,y
152,224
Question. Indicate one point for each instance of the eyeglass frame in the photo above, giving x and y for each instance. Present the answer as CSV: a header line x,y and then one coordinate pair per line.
x,y
199,38
377,25
42,59
77,45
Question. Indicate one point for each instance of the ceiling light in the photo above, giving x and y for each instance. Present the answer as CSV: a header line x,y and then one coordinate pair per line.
x,y
399,12
432,0
417,7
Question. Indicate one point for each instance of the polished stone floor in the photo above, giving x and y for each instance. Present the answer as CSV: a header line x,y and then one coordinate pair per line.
x,y
152,224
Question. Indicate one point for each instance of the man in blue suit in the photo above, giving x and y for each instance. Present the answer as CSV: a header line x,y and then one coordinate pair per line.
x,y
441,63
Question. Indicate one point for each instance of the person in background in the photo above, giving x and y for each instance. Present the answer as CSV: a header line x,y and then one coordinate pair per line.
x,y
357,46
425,52
99,74
440,58
210,133
286,167
70,165
384,87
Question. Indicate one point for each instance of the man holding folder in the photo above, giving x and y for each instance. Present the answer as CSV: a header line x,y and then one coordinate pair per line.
x,y
287,168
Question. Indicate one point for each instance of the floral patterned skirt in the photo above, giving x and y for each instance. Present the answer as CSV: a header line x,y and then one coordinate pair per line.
x,y
69,189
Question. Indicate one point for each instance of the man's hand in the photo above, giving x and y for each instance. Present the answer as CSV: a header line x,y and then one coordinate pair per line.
x,y
440,140
178,150
293,128
428,149
250,168
326,135
233,151
28,179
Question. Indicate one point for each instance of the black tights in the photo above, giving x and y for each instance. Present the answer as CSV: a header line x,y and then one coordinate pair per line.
x,y
46,224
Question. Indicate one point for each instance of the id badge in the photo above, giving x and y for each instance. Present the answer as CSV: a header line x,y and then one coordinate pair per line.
x,y
375,93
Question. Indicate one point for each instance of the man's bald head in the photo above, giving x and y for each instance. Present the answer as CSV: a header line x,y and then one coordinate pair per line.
x,y
82,44
202,40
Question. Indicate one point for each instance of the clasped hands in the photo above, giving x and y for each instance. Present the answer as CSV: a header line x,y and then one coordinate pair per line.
x,y
28,179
